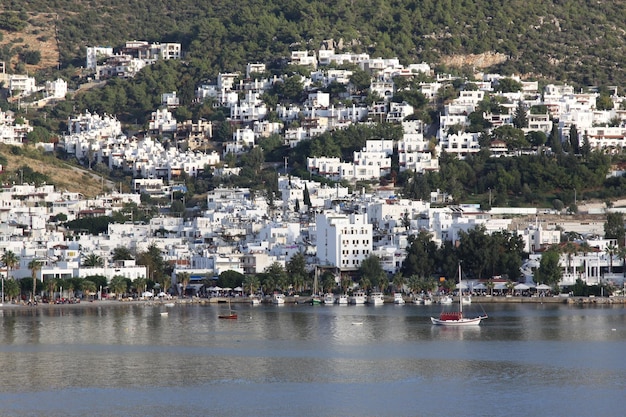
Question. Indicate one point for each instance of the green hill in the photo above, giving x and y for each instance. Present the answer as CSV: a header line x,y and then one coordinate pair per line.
x,y
579,41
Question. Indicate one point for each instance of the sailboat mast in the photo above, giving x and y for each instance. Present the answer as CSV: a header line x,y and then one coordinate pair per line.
x,y
460,291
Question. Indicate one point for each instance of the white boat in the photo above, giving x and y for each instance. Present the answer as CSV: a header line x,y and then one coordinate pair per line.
x,y
427,301
466,299
278,299
255,301
342,299
376,298
398,298
446,299
456,318
329,298
169,305
418,299
357,297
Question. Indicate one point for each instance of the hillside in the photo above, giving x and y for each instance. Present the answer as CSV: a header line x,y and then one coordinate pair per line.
x,y
39,34
64,176
580,41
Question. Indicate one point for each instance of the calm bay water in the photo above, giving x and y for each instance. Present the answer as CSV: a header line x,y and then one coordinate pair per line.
x,y
301,360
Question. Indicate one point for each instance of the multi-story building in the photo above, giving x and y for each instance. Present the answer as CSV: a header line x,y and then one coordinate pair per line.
x,y
343,241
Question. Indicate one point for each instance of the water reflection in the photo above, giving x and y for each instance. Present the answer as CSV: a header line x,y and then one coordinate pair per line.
x,y
381,358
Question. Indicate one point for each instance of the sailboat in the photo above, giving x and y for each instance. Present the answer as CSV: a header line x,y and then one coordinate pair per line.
x,y
315,298
456,318
231,314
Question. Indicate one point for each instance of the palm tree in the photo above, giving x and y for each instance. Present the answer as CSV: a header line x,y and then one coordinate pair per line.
x,y
251,284
140,284
183,279
398,282
35,267
11,289
569,249
346,283
89,287
611,250
622,255
9,259
119,285
122,253
365,283
53,284
414,283
93,260
328,282
510,286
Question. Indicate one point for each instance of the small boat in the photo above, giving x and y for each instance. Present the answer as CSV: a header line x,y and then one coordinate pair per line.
x,y
398,298
427,301
418,299
342,299
316,300
232,315
278,299
357,323
456,318
164,313
376,298
466,299
169,305
329,298
255,301
446,299
357,297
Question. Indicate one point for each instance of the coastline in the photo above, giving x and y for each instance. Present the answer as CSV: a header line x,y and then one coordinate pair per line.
x,y
307,301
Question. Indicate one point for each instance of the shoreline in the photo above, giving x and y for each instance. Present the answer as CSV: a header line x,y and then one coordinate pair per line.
x,y
575,300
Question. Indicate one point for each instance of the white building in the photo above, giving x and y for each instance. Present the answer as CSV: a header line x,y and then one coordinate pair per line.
x,y
343,241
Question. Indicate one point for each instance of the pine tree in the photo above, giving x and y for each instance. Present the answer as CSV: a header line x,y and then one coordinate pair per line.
x,y
573,139
520,120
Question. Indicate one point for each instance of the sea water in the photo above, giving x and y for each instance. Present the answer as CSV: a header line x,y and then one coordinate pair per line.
x,y
302,360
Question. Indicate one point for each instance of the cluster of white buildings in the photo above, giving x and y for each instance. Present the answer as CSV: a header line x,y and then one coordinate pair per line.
x,y
126,62
243,233
99,139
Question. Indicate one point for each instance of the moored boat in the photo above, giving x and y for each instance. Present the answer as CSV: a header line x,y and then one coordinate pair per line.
x,y
278,299
376,298
329,298
232,315
398,298
342,299
357,297
446,299
456,318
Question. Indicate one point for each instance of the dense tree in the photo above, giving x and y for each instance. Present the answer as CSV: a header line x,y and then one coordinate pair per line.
x,y
361,80
230,279
549,271
420,256
372,273
614,227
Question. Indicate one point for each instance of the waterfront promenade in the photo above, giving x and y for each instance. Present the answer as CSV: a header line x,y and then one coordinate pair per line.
x,y
305,300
